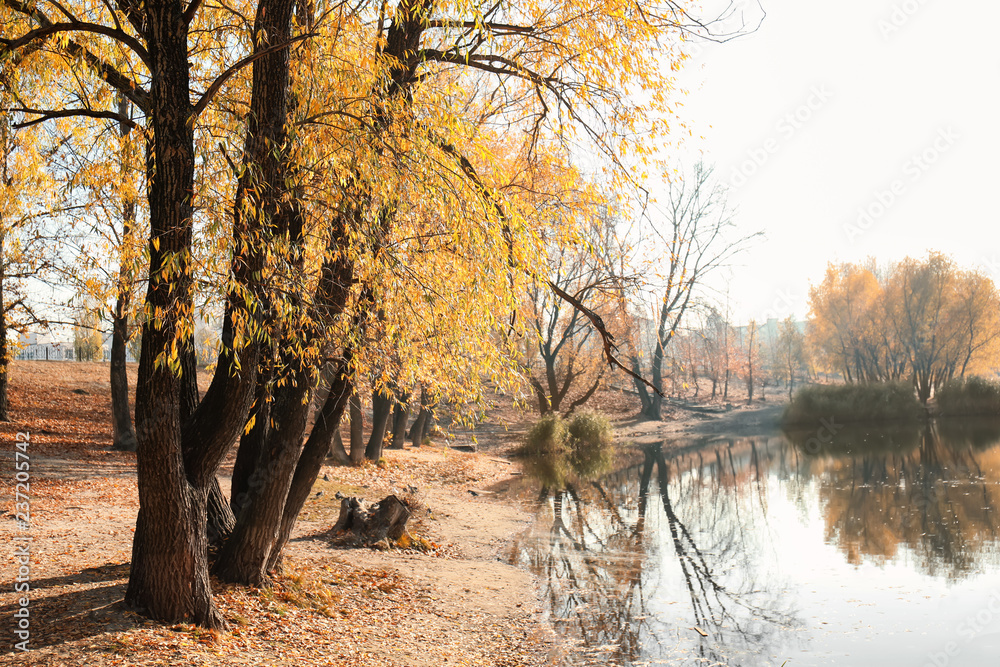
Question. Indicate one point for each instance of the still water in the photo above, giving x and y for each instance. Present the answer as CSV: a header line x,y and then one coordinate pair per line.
x,y
873,548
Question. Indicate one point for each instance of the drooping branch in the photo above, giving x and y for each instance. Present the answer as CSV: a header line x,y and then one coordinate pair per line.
x,y
608,340
46,31
220,80
107,72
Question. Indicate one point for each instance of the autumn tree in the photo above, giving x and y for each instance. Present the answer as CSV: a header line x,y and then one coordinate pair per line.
x,y
564,350
27,249
393,142
748,362
789,351
925,320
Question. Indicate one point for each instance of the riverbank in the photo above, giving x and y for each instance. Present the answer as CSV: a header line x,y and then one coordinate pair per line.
x,y
458,603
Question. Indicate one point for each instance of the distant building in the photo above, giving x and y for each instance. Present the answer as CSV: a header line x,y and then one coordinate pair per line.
x,y
46,347
42,347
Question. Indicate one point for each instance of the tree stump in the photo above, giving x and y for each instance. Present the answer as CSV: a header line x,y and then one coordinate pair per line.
x,y
368,523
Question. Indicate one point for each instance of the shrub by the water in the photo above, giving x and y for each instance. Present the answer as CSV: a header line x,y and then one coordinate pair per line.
x,y
590,439
549,435
969,396
854,403
555,449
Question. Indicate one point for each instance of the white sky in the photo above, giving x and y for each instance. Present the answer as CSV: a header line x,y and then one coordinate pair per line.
x,y
881,93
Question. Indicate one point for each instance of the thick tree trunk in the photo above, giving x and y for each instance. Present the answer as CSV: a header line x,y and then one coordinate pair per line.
x,y
177,461
169,572
381,411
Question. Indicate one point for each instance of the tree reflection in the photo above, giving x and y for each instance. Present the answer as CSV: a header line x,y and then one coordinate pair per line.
x,y
928,489
603,562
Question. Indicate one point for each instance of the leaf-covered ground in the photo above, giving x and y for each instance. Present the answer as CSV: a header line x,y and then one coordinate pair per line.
x,y
449,603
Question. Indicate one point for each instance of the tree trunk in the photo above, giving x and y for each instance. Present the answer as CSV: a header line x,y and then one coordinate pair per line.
x,y
244,556
338,453
419,428
381,411
640,388
121,411
311,460
400,417
368,523
357,430
221,519
251,443
177,461
169,570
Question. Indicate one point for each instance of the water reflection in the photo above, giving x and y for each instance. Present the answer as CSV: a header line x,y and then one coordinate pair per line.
x,y
694,554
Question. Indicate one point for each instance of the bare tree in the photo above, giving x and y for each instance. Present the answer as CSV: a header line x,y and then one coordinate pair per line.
x,y
566,351
692,236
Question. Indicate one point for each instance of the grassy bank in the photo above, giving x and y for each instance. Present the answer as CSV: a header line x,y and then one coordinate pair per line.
x,y
853,403
964,397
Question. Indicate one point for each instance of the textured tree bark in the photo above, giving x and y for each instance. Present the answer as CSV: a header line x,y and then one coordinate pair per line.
x,y
221,519
311,460
244,556
169,572
369,523
381,411
121,411
177,459
251,446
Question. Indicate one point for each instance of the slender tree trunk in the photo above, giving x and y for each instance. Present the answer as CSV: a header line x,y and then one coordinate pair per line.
x,y
121,411
417,431
357,429
400,417
644,395
221,519
251,443
311,460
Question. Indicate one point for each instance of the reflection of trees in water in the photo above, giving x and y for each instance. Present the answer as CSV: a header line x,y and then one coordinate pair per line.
x,y
598,562
928,488
606,551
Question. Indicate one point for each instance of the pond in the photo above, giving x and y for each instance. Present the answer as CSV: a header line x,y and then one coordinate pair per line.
x,y
840,547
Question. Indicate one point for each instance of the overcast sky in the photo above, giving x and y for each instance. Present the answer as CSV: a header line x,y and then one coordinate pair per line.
x,y
851,129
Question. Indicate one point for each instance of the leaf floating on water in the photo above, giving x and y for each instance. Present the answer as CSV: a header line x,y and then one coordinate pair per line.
x,y
700,631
